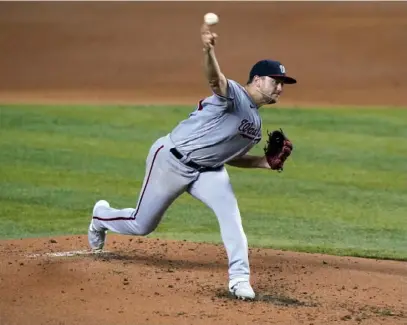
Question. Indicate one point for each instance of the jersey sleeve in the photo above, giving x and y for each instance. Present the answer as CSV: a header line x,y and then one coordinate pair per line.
x,y
232,92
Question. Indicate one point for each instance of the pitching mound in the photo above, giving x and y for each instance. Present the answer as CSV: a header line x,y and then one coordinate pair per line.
x,y
151,281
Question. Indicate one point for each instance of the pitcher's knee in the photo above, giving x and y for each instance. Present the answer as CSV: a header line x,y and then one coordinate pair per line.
x,y
144,231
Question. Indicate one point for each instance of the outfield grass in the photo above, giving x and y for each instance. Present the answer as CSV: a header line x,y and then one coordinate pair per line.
x,y
343,190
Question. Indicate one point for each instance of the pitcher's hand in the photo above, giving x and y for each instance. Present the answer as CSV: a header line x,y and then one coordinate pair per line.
x,y
208,38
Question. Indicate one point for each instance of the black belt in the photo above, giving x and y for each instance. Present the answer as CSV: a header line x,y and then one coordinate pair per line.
x,y
192,164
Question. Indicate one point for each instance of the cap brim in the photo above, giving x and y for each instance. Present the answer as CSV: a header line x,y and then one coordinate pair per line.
x,y
286,79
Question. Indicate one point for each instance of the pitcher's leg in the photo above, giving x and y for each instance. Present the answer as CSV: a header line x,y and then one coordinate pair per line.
x,y
214,189
161,186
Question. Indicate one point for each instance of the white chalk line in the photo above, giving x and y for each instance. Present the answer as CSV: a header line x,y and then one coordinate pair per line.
x,y
67,254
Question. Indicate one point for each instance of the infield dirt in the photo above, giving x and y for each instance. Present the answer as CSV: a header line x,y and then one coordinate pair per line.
x,y
153,281
149,52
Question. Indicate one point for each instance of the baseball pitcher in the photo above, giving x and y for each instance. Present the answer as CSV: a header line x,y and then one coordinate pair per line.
x,y
192,157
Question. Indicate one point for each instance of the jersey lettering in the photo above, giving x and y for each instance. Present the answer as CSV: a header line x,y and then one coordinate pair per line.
x,y
219,128
247,128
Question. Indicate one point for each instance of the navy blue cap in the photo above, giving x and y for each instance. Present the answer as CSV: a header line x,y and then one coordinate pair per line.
x,y
272,69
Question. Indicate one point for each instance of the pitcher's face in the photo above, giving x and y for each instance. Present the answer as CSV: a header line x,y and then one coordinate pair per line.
x,y
271,87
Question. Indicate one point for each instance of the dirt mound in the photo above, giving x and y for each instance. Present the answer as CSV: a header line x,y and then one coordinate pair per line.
x,y
151,281
341,52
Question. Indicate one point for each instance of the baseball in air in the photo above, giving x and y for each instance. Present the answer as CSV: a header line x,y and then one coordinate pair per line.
x,y
211,18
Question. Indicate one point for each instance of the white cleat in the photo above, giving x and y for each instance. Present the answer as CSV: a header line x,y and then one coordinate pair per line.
x,y
242,290
96,237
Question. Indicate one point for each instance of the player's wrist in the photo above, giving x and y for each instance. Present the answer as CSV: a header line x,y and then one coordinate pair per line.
x,y
263,163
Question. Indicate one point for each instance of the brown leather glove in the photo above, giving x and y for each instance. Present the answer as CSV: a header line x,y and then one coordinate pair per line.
x,y
278,148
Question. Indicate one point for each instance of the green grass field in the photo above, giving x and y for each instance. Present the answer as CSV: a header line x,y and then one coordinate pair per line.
x,y
343,191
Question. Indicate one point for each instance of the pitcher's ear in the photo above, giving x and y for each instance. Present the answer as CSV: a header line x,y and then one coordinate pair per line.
x,y
257,80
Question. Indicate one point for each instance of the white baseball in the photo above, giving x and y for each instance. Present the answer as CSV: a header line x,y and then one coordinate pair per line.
x,y
211,18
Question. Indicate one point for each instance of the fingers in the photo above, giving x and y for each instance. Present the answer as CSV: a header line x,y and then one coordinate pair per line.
x,y
213,39
208,38
205,28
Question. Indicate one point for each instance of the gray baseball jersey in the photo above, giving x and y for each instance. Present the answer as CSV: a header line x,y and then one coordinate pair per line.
x,y
220,129
217,131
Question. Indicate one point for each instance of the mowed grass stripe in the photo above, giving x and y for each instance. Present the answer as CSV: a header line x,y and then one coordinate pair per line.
x,y
132,163
342,191
114,123
323,192
371,122
307,153
19,220
352,206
